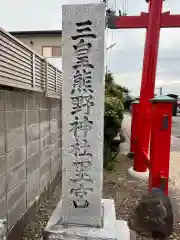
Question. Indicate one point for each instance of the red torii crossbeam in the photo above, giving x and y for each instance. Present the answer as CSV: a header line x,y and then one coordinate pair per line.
x,y
153,21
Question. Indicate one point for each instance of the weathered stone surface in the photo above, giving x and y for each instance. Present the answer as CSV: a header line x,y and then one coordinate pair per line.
x,y
44,128
153,216
59,143
53,148
54,159
15,119
33,163
44,175
3,207
44,155
3,185
15,157
32,101
44,103
112,229
86,123
44,181
32,116
32,187
15,194
16,175
32,132
59,134
17,211
2,121
45,168
32,148
54,171
53,114
53,137
22,113
15,139
2,143
2,164
53,126
44,115
2,100
44,141
59,123
14,101
53,103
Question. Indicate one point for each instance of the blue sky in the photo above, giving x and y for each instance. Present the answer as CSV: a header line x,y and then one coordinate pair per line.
x,y
125,58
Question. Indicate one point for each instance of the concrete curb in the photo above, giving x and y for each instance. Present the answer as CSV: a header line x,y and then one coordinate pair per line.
x,y
138,175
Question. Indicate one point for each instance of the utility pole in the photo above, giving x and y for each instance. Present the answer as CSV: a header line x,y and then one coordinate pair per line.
x,y
111,46
160,90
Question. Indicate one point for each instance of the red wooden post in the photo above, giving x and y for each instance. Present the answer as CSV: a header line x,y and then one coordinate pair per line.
x,y
160,142
148,82
135,106
152,21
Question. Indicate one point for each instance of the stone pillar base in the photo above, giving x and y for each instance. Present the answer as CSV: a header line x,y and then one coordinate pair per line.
x,y
112,229
138,175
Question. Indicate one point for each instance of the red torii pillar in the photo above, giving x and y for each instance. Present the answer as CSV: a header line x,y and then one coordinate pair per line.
x,y
153,21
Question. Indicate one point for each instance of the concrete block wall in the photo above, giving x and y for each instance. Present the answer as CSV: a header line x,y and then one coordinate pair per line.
x,y
30,149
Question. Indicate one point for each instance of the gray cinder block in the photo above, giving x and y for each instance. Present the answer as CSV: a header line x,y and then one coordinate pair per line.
x,y
3,185
15,139
15,157
16,212
2,143
2,164
33,163
44,155
44,141
14,101
14,119
32,116
32,148
32,132
16,175
15,194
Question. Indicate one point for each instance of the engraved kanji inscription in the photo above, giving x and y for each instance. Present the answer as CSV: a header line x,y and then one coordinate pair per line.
x,y
82,47
81,176
78,125
80,191
81,148
82,82
81,203
80,102
82,163
84,29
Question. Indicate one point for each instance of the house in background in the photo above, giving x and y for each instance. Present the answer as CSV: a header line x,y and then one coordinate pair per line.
x,y
46,43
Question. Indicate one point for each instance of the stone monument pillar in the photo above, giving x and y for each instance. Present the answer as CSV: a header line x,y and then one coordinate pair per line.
x,y
82,213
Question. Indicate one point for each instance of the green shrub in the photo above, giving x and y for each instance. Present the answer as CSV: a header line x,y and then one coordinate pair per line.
x,y
113,117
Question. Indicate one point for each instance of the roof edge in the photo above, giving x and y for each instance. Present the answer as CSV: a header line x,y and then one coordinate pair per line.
x,y
36,32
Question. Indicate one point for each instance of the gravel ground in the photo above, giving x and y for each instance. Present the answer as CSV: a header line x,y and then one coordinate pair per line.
x,y
124,191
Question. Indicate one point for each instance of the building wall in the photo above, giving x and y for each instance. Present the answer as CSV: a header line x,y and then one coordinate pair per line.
x,y
39,41
30,149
